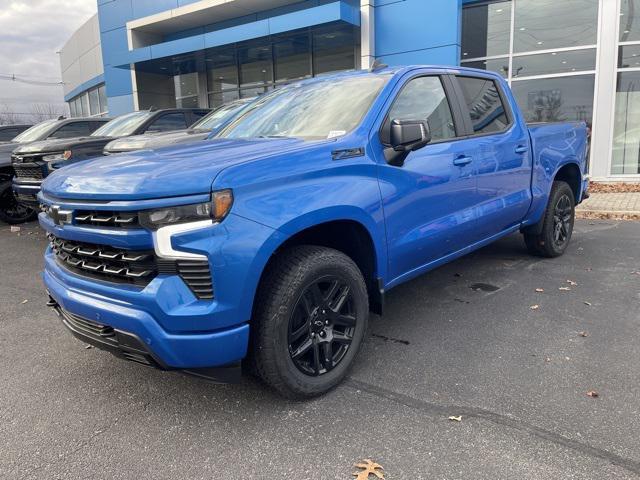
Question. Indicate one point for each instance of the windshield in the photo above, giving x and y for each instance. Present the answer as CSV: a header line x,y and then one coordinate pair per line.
x,y
219,116
311,111
122,126
35,133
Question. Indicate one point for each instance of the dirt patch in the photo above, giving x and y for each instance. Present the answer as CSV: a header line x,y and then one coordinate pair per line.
x,y
597,187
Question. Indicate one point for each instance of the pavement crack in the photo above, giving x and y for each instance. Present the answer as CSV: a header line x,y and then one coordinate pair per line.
x,y
496,418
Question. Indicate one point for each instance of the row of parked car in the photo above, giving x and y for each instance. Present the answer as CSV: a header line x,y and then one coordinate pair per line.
x,y
29,153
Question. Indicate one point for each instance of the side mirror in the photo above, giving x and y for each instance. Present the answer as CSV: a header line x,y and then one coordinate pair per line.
x,y
406,136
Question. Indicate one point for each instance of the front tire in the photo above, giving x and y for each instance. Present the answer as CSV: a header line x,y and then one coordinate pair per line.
x,y
12,211
310,319
558,222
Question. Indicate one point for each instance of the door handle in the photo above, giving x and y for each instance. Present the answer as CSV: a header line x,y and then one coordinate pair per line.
x,y
520,149
462,161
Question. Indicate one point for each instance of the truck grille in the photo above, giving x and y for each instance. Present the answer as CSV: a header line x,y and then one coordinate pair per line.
x,y
31,171
130,266
107,219
106,263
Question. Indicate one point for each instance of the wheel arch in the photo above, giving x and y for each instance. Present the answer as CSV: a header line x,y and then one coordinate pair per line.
x,y
570,173
347,234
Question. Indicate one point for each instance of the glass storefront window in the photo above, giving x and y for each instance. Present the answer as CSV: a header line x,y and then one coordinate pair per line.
x,y
556,99
629,56
626,136
102,98
333,50
555,62
549,24
256,65
222,70
630,21
222,98
486,30
72,108
292,57
499,65
94,103
186,89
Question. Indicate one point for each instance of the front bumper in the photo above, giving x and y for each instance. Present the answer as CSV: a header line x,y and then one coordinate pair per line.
x,y
26,191
139,337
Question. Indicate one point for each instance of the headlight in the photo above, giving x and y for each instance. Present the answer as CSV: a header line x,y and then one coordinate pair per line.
x,y
125,145
58,157
216,210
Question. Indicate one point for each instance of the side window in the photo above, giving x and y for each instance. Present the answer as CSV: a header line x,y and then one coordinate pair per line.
x,y
71,130
8,134
488,113
168,122
423,98
93,126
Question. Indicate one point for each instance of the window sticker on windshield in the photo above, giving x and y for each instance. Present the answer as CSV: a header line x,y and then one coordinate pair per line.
x,y
336,133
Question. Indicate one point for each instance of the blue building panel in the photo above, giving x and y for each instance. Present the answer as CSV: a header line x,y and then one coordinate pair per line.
x,y
406,32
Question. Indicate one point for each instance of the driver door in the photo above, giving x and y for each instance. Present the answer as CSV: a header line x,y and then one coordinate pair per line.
x,y
429,201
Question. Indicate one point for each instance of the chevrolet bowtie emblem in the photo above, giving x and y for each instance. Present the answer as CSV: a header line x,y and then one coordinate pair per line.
x,y
60,217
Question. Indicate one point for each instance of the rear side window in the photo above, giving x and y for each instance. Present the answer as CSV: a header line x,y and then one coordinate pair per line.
x,y
423,98
71,130
168,122
487,110
8,134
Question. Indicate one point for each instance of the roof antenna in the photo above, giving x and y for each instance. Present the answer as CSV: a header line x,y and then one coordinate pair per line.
x,y
153,108
378,65
61,117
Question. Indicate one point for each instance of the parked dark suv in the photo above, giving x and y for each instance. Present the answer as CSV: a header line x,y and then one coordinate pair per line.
x,y
32,163
9,132
12,211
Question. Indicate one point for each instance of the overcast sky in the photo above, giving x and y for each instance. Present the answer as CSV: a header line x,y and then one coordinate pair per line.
x,y
31,32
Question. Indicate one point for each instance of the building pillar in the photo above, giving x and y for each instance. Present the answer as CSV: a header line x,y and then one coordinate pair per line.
x,y
367,34
606,80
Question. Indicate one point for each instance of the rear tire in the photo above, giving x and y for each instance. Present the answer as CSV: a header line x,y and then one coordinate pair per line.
x,y
558,222
11,211
310,318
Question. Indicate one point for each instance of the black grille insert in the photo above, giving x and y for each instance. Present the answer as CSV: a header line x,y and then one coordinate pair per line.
x,y
31,171
130,266
106,263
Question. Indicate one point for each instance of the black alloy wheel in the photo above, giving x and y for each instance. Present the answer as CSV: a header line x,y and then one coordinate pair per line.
x,y
562,221
322,325
11,210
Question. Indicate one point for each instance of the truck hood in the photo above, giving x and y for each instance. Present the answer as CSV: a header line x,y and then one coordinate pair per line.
x,y
169,172
60,145
154,140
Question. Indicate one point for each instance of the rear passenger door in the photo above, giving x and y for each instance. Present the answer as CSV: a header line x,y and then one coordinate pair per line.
x,y
501,154
429,201
168,122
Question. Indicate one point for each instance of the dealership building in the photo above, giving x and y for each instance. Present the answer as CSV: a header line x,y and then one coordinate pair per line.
x,y
564,59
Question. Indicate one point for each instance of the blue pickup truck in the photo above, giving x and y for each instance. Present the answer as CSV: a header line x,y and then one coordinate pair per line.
x,y
268,246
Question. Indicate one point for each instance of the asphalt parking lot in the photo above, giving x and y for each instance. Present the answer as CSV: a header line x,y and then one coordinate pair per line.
x,y
461,341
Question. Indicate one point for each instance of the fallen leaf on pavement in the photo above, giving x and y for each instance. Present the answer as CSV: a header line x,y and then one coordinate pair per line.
x,y
454,418
15,229
534,307
588,304
88,347
547,359
571,282
368,467
583,334
24,301
540,290
593,394
565,289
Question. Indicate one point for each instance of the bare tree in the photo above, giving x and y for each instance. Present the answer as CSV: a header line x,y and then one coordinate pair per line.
x,y
45,111
7,117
